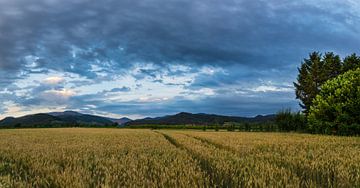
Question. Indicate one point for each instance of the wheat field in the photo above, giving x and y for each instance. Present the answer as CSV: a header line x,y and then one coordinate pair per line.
x,y
90,157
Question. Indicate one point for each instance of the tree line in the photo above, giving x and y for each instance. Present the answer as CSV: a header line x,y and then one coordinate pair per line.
x,y
328,88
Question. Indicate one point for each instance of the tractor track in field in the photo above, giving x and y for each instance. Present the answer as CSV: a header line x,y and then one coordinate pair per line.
x,y
215,175
212,143
204,164
298,171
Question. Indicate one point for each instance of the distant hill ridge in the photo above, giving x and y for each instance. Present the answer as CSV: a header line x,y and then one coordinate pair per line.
x,y
72,118
60,119
184,118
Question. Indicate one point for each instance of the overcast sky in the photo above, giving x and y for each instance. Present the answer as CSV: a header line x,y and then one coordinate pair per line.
x,y
156,57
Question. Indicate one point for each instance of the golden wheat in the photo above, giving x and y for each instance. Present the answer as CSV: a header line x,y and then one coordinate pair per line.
x,y
81,157
93,158
315,160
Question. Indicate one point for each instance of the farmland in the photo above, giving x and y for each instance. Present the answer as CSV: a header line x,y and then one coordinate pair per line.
x,y
86,157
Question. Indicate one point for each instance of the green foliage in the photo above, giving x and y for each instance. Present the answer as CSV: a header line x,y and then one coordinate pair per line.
x,y
247,126
334,107
351,62
230,127
315,71
289,121
332,66
337,108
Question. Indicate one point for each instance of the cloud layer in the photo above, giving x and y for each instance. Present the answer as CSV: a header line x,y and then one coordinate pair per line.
x,y
228,57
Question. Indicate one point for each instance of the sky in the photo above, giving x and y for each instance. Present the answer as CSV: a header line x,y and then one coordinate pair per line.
x,y
149,58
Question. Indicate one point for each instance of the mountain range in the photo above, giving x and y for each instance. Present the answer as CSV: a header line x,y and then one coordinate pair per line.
x,y
72,118
185,118
60,119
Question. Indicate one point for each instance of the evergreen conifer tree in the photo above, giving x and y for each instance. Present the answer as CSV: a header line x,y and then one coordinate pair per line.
x,y
351,62
309,80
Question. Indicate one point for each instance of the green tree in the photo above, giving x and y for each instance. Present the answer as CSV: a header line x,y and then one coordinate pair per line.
x,y
299,121
290,121
309,80
230,127
351,62
314,72
337,107
332,66
247,126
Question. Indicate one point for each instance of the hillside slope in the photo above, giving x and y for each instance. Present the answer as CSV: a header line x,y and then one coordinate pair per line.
x,y
197,119
56,119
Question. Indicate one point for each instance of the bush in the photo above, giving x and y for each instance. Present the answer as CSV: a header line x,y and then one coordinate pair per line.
x,y
216,127
336,109
230,127
289,121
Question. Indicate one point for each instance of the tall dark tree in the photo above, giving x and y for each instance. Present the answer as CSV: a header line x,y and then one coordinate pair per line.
x,y
332,66
351,63
314,72
309,80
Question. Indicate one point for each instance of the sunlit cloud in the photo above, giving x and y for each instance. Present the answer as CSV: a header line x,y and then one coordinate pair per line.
x,y
269,88
54,80
65,93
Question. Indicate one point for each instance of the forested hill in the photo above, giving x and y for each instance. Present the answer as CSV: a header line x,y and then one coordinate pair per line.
x,y
184,118
71,119
59,119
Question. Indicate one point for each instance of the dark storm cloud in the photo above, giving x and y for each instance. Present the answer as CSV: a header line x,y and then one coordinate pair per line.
x,y
265,33
121,89
100,40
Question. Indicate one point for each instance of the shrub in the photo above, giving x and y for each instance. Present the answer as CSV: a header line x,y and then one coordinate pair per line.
x,y
230,127
336,109
289,121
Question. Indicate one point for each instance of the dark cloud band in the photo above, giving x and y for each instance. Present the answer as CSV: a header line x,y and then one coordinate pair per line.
x,y
102,40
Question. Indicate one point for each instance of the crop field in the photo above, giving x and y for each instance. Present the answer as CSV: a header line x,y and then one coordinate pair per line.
x,y
86,157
